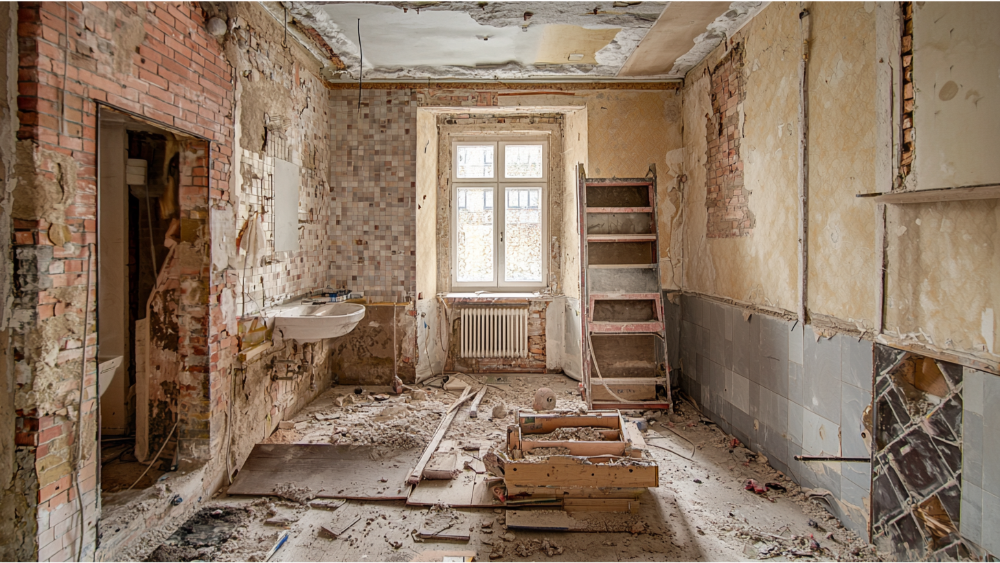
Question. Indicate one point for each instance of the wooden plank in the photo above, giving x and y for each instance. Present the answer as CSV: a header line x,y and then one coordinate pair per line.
x,y
546,520
474,408
578,448
445,526
638,391
330,471
570,471
575,492
606,327
439,555
572,505
418,469
634,438
940,195
545,423
442,466
467,491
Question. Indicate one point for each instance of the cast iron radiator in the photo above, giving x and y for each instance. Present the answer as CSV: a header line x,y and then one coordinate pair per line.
x,y
494,332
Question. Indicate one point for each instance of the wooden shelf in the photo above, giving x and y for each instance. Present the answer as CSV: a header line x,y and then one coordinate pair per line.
x,y
936,196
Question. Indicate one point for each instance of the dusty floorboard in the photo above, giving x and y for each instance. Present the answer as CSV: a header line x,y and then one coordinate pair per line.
x,y
700,512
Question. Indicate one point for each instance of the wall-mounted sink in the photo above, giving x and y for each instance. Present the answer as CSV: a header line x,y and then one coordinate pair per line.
x,y
312,323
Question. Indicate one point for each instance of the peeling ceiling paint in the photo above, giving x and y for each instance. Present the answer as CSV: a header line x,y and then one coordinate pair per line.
x,y
509,40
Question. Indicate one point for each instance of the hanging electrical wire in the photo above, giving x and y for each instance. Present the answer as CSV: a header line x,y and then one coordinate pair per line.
x,y
361,65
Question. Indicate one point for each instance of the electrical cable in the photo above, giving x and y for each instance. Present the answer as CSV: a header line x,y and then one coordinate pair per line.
x,y
157,456
79,412
361,65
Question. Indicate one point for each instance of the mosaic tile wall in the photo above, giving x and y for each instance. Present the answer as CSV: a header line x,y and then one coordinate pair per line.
x,y
917,472
284,275
372,177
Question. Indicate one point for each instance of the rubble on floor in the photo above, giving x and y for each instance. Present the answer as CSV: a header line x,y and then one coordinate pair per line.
x,y
700,511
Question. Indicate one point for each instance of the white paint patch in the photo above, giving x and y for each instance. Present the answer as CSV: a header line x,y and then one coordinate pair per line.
x,y
393,38
986,328
675,161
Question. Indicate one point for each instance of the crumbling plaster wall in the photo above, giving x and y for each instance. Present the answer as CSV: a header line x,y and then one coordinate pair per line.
x,y
627,130
956,54
15,528
942,286
762,268
281,111
843,277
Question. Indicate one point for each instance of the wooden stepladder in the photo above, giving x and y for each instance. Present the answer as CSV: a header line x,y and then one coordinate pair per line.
x,y
624,337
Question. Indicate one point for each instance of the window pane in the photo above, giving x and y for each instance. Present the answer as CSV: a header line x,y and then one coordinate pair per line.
x,y
522,236
474,161
475,235
522,161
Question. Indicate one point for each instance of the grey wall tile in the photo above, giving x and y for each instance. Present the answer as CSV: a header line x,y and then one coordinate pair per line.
x,y
727,319
703,341
706,396
854,402
991,438
972,448
859,473
742,426
971,522
973,389
991,522
856,362
754,400
821,381
740,391
775,443
795,423
820,436
716,318
795,344
716,347
795,374
745,346
728,354
774,355
851,493
774,411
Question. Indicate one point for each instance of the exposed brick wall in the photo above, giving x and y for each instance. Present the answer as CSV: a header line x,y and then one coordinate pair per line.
x,y
156,61
906,160
729,214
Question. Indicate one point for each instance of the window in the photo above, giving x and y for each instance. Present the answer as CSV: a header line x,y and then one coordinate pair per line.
x,y
499,220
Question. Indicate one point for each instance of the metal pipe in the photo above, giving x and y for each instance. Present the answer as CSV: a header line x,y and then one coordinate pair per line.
x,y
832,458
803,175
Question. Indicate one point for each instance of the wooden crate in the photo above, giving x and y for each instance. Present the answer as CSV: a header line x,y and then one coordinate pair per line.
x,y
615,467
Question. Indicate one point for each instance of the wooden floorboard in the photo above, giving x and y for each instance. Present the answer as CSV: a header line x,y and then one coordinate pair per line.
x,y
350,472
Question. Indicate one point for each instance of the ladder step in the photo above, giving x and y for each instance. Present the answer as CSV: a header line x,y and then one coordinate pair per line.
x,y
606,327
619,210
617,182
651,237
621,266
630,380
623,296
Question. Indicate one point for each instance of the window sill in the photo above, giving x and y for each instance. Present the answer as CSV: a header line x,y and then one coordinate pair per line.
x,y
498,297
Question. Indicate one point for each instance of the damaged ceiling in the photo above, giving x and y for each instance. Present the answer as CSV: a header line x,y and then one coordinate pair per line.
x,y
515,40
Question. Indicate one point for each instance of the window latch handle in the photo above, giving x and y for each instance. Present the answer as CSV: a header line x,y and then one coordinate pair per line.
x,y
501,236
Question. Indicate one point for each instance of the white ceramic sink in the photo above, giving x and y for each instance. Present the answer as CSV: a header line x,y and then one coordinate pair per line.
x,y
311,323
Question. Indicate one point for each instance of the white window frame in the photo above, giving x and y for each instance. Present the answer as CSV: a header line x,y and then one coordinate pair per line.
x,y
500,185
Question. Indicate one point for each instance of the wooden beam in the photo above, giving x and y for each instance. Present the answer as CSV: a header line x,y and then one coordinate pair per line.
x,y
474,409
938,195
418,470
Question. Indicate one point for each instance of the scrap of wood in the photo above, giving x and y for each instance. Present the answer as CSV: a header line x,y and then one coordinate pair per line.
x,y
442,465
428,556
418,470
327,504
334,531
474,409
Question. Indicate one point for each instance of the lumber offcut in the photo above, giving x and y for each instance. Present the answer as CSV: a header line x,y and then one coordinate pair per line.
x,y
418,470
474,409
